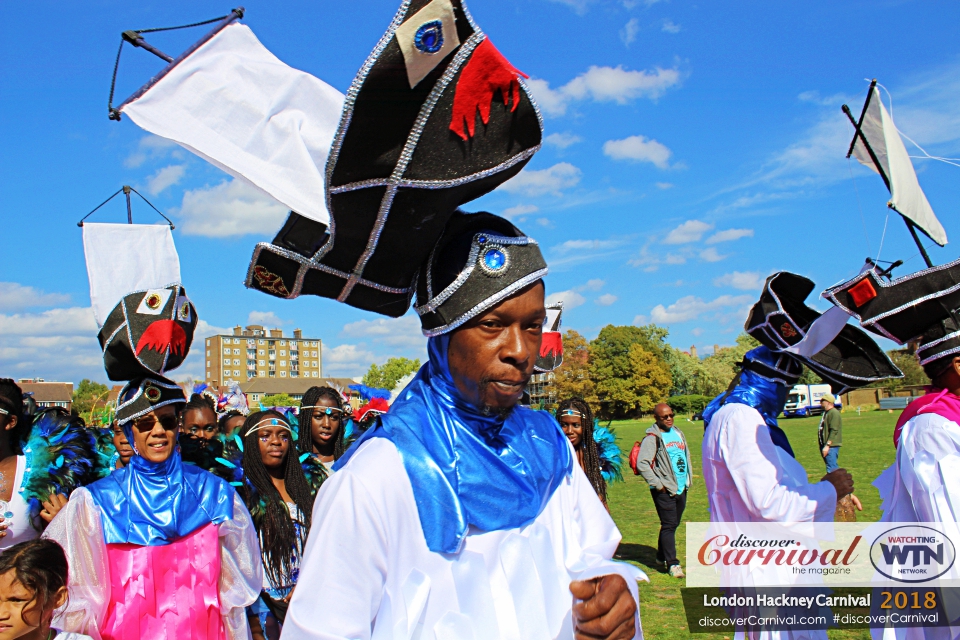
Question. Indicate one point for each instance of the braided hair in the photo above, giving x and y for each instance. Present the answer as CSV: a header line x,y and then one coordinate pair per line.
x,y
310,399
281,541
199,402
11,400
588,448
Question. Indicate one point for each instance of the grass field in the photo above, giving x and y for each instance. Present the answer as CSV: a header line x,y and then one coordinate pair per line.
x,y
867,450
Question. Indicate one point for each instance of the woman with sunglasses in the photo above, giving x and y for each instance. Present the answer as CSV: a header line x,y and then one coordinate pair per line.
x,y
323,417
157,532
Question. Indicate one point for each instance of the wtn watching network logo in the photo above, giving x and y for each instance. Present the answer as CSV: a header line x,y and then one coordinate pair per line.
x,y
912,554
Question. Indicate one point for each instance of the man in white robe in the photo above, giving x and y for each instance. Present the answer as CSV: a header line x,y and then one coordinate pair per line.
x,y
461,515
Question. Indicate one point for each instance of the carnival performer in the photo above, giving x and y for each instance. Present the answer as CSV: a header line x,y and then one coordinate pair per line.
x,y
322,431
114,449
199,418
40,465
157,549
278,490
922,484
749,467
459,495
595,446
232,410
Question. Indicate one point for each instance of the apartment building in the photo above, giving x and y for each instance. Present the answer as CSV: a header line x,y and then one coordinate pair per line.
x,y
254,352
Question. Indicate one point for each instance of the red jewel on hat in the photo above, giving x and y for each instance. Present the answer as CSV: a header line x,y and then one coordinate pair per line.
x,y
862,292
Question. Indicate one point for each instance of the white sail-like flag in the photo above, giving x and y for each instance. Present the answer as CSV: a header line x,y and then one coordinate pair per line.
x,y
889,158
236,105
122,258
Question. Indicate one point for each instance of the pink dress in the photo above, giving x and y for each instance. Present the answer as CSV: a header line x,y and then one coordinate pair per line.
x,y
152,597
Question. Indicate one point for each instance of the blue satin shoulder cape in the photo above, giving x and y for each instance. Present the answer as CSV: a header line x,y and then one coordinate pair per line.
x,y
469,469
153,504
765,395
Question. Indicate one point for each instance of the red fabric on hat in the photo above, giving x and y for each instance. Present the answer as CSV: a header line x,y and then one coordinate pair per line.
x,y
378,405
552,344
862,292
161,335
485,73
938,401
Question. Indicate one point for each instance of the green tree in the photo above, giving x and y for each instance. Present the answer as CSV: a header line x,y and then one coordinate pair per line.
x,y
912,371
572,378
87,394
611,367
650,377
278,400
387,375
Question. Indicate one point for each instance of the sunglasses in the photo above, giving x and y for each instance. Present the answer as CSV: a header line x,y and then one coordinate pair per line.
x,y
148,422
669,416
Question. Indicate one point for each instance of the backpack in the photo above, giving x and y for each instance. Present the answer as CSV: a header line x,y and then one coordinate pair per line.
x,y
634,456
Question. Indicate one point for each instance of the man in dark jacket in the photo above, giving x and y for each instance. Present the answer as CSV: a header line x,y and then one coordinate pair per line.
x,y
664,462
830,433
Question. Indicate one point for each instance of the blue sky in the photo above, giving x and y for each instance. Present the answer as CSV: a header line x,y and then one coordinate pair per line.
x,y
691,149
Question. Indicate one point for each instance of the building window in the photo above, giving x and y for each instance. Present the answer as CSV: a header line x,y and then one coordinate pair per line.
x,y
283,374
236,352
208,363
208,353
283,352
236,373
273,374
226,361
226,351
261,342
283,343
235,361
261,352
261,362
283,363
293,374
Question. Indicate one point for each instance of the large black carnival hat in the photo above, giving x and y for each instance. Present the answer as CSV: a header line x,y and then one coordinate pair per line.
x,y
436,117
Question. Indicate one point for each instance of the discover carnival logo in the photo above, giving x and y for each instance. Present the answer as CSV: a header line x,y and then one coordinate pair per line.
x,y
782,552
912,553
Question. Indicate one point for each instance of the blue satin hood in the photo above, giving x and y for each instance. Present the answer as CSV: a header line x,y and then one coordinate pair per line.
x,y
469,469
763,394
153,504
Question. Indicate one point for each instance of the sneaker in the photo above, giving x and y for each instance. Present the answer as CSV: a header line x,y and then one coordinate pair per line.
x,y
676,571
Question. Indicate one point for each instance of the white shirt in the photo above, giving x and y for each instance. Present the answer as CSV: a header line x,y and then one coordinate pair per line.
x,y
19,526
923,485
367,572
750,479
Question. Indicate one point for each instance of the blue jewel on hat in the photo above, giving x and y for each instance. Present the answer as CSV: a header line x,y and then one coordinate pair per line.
x,y
429,38
494,259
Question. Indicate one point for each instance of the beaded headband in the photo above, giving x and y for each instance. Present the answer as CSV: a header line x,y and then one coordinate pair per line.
x,y
328,411
4,411
571,412
268,422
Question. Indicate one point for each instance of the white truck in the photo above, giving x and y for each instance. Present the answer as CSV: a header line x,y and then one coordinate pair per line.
x,y
804,400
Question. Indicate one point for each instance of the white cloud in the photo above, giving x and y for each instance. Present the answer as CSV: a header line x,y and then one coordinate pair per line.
x,y
664,185
674,258
585,245
346,360
606,300
265,318
689,231
604,84
729,235
56,344
540,182
640,149
165,178
231,208
392,332
594,285
691,307
629,32
743,280
14,297
570,298
711,255
697,332
544,222
670,27
152,147
519,210
562,140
